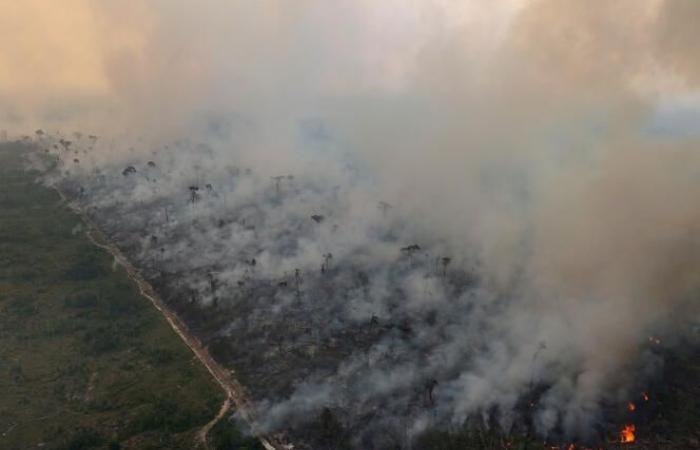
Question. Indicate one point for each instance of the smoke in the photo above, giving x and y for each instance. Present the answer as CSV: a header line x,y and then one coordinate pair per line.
x,y
516,138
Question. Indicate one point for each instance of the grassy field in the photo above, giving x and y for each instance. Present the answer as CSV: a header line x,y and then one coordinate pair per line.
x,y
85,361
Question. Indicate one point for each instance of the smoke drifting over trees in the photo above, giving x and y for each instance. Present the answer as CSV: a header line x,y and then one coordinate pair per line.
x,y
481,213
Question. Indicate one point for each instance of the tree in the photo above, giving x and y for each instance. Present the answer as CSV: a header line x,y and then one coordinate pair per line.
x,y
277,179
384,207
374,322
331,428
194,195
445,262
540,348
213,284
410,250
128,171
429,390
297,281
326,262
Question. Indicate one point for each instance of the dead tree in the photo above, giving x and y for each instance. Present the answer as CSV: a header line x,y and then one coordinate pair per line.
x,y
326,265
445,262
429,391
298,281
410,250
128,171
213,284
384,207
332,429
373,322
162,257
540,348
194,193
278,180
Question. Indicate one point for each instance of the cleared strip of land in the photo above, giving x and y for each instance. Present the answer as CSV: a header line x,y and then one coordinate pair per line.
x,y
85,362
234,391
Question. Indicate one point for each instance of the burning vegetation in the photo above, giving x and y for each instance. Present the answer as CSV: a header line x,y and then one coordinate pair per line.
x,y
313,322
472,216
627,434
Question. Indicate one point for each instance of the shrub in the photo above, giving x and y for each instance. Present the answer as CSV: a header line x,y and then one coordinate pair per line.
x,y
87,268
82,300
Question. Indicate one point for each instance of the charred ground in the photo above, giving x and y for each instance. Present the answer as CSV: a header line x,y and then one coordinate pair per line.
x,y
327,366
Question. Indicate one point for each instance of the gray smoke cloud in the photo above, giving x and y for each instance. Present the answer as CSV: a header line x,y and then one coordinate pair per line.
x,y
515,139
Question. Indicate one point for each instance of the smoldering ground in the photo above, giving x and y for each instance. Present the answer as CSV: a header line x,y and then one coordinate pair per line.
x,y
439,212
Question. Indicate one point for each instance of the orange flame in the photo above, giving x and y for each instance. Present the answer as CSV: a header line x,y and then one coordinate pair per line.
x,y
631,406
645,396
627,434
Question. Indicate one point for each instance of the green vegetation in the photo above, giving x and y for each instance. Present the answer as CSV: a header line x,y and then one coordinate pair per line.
x,y
85,361
225,436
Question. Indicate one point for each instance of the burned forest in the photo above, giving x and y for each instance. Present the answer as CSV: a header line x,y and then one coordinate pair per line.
x,y
342,329
422,225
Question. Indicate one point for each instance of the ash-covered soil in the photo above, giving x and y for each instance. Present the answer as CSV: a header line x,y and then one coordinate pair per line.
x,y
349,326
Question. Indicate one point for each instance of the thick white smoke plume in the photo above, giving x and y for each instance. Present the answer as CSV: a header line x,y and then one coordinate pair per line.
x,y
526,147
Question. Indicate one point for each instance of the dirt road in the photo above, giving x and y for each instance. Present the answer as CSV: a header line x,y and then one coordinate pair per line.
x,y
235,393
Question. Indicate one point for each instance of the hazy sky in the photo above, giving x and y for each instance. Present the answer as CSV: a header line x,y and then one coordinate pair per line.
x,y
101,64
59,59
